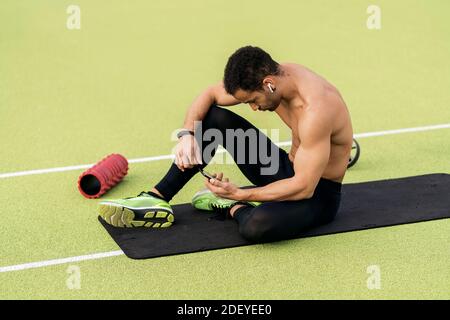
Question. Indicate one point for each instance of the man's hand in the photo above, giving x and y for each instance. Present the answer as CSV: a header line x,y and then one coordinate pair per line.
x,y
187,153
223,188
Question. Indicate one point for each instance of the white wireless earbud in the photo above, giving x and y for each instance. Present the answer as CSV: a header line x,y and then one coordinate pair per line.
x,y
270,87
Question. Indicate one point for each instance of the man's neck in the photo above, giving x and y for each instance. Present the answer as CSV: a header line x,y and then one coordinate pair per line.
x,y
288,88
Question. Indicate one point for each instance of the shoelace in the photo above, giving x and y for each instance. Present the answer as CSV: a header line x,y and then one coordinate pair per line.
x,y
221,212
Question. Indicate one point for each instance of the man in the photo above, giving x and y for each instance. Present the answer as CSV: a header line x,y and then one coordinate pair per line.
x,y
302,193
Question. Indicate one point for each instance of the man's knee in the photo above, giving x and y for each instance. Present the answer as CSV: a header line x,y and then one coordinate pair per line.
x,y
217,118
257,227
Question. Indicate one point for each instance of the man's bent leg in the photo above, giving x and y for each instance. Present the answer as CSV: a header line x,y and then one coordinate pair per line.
x,y
222,120
258,158
274,221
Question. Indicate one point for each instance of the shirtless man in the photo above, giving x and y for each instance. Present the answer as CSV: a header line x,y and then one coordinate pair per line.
x,y
305,190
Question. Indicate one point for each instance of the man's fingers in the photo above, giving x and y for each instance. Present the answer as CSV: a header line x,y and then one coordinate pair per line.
x,y
185,161
191,157
211,187
216,182
178,162
198,156
196,153
189,165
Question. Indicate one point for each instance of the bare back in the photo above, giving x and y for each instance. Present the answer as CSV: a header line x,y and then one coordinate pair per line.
x,y
315,94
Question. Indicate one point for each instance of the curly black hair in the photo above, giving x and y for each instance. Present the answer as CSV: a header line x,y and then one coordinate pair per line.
x,y
246,69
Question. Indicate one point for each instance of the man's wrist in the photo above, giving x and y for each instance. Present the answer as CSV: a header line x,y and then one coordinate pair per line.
x,y
242,194
184,132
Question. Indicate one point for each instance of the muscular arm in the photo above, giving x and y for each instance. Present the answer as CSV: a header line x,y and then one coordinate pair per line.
x,y
213,94
310,162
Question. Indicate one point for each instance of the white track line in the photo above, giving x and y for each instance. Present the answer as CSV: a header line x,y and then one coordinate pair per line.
x,y
47,263
170,157
406,130
102,255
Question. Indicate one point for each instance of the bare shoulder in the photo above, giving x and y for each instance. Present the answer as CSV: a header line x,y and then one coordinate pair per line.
x,y
325,115
316,121
320,110
324,112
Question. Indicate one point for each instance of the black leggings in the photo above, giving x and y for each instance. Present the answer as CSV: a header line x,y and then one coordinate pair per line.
x,y
270,221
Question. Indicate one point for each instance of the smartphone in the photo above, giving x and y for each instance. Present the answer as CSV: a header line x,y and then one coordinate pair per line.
x,y
206,174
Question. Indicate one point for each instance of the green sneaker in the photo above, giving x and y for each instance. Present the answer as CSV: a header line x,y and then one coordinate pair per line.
x,y
208,201
144,210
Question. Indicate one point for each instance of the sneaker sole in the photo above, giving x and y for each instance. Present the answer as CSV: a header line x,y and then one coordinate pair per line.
x,y
123,217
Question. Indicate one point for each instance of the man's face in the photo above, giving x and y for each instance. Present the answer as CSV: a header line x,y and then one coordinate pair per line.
x,y
258,100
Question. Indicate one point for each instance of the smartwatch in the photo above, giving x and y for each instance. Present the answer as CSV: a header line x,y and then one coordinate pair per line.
x,y
184,132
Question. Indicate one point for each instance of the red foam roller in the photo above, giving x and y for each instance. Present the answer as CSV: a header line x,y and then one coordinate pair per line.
x,y
104,175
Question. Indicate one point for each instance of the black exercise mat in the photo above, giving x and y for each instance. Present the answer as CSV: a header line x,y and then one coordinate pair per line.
x,y
364,205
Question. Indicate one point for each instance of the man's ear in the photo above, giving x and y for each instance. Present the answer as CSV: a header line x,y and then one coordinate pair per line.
x,y
269,84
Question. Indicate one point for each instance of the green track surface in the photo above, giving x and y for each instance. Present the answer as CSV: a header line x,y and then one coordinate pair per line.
x,y
122,84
